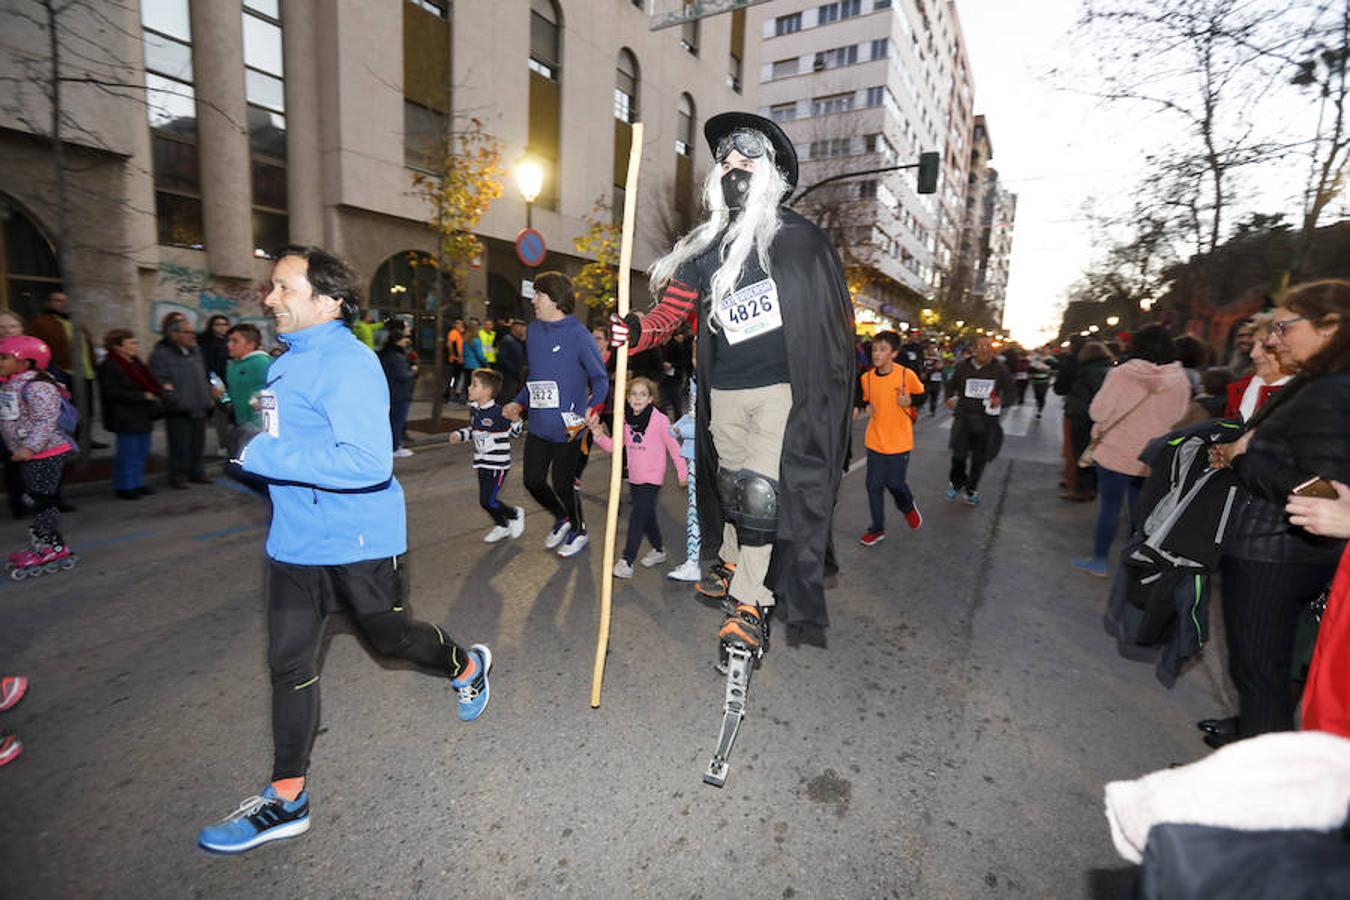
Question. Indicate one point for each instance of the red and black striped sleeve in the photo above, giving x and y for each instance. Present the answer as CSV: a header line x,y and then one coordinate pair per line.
x,y
678,304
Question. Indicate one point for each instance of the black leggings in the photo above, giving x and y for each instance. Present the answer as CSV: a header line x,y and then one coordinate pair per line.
x,y
545,461
299,599
42,482
490,483
642,520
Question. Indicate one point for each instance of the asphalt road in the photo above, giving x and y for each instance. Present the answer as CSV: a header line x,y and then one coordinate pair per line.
x,y
953,741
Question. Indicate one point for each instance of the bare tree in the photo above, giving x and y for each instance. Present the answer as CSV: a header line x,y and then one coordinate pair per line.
x,y
1209,65
1321,69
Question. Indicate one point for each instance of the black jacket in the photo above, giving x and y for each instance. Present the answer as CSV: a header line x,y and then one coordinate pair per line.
x,y
125,407
1087,381
398,373
1303,431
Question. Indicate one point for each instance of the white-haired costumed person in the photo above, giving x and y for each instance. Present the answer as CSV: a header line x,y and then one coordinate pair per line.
x,y
766,294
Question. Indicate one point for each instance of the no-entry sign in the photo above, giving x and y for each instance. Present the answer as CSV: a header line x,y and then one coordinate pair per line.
x,y
530,247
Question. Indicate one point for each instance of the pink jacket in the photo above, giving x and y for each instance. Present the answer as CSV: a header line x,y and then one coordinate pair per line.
x,y
28,417
1166,394
647,457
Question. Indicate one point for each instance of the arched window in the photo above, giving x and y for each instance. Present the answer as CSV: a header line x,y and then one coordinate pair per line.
x,y
626,87
404,288
28,269
545,135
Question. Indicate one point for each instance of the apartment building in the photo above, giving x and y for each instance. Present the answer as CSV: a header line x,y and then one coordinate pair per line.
x,y
198,135
867,84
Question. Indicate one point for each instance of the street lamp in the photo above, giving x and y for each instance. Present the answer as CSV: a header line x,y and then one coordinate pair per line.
x,y
1113,321
530,181
1094,329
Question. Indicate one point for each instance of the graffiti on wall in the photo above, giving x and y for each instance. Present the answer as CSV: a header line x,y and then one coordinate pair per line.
x,y
196,294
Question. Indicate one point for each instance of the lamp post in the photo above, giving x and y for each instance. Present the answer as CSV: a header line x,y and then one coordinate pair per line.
x,y
1113,321
530,181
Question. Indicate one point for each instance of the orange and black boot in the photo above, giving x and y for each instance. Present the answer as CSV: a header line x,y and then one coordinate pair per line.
x,y
717,582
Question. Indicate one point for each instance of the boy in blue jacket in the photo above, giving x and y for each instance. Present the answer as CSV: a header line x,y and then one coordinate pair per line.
x,y
566,382
338,529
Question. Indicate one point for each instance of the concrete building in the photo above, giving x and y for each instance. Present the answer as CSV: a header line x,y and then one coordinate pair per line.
x,y
996,238
866,84
200,134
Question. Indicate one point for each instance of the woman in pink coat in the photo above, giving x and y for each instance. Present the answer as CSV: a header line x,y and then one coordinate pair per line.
x,y
1140,400
647,442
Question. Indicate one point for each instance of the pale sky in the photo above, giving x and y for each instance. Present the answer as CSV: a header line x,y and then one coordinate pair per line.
x,y
1052,148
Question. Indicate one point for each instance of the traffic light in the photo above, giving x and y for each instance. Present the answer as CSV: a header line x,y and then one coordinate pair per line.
x,y
928,171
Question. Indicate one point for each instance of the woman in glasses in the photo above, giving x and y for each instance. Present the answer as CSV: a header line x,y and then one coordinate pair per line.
x,y
1272,569
766,294
1269,373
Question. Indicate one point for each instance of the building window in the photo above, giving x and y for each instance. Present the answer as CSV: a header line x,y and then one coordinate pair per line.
x,y
833,12
783,112
881,4
787,24
833,59
785,68
881,48
438,8
828,149
735,66
689,31
625,88
876,96
265,91
171,108
684,126
823,106
545,131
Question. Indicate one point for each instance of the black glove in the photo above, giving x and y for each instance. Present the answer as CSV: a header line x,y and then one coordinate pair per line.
x,y
626,330
238,439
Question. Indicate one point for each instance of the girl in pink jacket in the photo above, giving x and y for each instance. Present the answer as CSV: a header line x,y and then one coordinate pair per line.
x,y
647,442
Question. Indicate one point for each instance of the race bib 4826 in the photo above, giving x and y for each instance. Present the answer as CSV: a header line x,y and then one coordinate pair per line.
x,y
749,312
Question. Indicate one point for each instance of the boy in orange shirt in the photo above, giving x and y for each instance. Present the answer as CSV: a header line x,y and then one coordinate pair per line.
x,y
889,389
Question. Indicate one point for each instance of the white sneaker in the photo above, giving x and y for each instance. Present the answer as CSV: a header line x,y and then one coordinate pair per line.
x,y
498,532
653,558
575,543
517,525
402,453
555,537
623,569
688,571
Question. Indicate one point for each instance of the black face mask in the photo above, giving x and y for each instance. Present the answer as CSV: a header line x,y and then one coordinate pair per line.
x,y
735,188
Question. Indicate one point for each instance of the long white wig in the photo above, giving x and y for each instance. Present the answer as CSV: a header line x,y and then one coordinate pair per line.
x,y
754,228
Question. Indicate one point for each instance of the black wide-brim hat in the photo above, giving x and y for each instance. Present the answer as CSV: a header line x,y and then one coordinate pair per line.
x,y
785,155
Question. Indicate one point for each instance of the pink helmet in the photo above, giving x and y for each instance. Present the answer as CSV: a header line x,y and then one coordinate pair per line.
x,y
25,346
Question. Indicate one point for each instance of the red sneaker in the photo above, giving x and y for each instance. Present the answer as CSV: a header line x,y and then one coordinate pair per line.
x,y
10,747
872,538
914,518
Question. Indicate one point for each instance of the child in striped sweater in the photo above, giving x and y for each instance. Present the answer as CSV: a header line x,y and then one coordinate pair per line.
x,y
647,442
491,433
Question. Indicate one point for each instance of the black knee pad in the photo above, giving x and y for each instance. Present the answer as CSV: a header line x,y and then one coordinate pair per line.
x,y
756,508
726,492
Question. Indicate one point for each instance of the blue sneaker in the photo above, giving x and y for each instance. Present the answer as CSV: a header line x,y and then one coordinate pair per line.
x,y
972,498
257,821
951,492
1090,566
473,692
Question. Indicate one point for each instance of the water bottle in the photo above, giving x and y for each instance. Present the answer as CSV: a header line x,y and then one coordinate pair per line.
x,y
219,384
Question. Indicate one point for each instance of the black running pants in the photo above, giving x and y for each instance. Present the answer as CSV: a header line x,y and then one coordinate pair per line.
x,y
490,483
547,461
299,600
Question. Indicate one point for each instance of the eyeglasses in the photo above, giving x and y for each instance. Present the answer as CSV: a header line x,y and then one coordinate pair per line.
x,y
1281,326
750,144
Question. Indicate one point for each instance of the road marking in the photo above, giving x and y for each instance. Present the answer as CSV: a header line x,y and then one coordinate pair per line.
x,y
226,532
86,546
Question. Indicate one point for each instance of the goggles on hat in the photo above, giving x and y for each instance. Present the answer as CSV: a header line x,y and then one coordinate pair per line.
x,y
749,143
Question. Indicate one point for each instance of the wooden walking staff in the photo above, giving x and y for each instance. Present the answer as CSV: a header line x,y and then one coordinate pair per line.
x,y
616,423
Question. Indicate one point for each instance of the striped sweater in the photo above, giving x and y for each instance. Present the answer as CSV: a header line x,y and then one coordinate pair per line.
x,y
491,433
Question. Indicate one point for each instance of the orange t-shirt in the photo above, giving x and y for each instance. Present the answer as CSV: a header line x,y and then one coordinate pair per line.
x,y
454,346
891,429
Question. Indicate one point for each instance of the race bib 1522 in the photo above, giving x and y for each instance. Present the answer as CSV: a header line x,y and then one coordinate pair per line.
x,y
543,394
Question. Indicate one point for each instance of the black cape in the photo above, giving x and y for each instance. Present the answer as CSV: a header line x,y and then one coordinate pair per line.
x,y
818,328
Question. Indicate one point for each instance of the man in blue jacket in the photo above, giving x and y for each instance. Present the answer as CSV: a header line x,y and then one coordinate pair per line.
x,y
338,530
567,379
